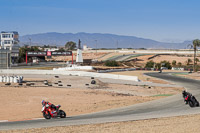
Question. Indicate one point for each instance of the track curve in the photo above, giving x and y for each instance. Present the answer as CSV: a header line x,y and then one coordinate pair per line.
x,y
170,106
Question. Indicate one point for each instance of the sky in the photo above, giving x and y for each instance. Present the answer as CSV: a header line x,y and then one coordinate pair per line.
x,y
161,20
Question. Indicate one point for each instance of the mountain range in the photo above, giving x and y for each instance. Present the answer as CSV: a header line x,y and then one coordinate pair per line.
x,y
98,40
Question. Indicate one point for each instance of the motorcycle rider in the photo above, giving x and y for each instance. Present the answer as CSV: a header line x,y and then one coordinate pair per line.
x,y
186,96
48,104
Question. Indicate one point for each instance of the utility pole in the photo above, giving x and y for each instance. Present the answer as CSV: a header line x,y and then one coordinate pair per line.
x,y
30,41
96,47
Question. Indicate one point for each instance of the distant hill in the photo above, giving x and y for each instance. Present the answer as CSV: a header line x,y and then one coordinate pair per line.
x,y
102,40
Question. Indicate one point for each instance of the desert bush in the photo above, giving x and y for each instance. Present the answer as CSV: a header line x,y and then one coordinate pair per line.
x,y
179,64
111,63
166,64
174,63
149,64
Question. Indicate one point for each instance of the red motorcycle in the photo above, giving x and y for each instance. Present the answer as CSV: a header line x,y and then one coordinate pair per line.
x,y
49,112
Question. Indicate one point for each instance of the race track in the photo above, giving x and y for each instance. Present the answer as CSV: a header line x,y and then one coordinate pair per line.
x,y
170,106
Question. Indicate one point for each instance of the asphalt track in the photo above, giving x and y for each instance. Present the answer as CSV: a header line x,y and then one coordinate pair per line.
x,y
170,106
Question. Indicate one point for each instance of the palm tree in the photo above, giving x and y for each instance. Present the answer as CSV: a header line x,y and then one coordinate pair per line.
x,y
188,61
174,63
196,60
196,43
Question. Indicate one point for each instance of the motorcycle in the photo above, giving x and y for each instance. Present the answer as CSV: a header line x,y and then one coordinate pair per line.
x,y
49,112
190,99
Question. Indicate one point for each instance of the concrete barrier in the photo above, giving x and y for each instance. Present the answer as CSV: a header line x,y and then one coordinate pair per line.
x,y
73,73
73,67
178,68
116,70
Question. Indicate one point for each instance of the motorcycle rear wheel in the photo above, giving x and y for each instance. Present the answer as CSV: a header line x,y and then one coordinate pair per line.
x,y
62,114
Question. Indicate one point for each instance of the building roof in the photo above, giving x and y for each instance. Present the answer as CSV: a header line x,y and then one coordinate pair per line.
x,y
15,32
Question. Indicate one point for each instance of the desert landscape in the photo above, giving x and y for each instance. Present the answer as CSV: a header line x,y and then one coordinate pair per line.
x,y
83,66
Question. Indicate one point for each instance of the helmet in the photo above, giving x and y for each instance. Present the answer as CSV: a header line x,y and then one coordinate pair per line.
x,y
43,102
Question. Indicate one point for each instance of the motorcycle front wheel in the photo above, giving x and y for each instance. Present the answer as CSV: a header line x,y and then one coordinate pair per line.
x,y
191,104
47,116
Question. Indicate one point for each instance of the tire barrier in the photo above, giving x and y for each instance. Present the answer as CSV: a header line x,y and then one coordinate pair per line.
x,y
46,82
93,82
8,84
28,84
11,79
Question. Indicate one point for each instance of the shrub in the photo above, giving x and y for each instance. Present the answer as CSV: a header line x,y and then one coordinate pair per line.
x,y
179,64
166,64
158,66
149,64
174,63
111,63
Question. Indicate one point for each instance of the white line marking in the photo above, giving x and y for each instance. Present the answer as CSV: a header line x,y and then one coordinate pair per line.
x,y
4,121
37,118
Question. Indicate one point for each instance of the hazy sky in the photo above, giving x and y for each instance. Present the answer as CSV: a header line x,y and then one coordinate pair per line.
x,y
162,20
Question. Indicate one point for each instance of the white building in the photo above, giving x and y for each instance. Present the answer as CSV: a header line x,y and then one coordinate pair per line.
x,y
51,49
10,40
85,48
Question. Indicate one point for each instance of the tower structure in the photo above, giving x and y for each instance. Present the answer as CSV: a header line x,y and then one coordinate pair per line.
x,y
79,57
10,40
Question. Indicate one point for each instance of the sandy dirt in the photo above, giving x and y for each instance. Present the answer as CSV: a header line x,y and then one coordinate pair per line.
x,y
183,59
180,124
85,56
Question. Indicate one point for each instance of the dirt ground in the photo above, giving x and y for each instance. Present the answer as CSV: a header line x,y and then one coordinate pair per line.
x,y
180,124
92,55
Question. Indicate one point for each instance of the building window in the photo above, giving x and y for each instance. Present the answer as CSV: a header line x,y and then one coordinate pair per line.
x,y
5,35
6,42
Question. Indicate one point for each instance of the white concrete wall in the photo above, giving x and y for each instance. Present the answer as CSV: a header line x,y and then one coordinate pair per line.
x,y
74,73
178,68
148,51
73,67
